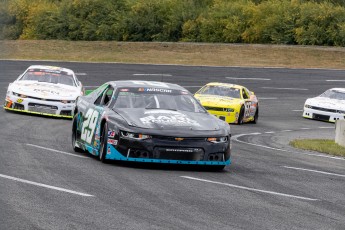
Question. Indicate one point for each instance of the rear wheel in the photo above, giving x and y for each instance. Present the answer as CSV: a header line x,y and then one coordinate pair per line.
x,y
104,141
74,136
240,117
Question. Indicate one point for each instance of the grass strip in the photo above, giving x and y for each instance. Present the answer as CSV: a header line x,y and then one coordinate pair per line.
x,y
319,145
180,53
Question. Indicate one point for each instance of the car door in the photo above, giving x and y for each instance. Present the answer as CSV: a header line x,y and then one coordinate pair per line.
x,y
247,102
250,104
90,128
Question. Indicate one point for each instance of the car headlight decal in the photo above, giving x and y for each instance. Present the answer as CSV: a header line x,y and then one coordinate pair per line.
x,y
67,101
217,139
137,136
229,110
19,95
307,106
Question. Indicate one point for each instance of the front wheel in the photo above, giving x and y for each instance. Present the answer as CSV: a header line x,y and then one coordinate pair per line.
x,y
74,136
240,116
104,142
256,116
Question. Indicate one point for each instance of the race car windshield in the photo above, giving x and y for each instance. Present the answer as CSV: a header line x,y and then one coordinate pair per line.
x,y
55,77
334,94
220,91
155,98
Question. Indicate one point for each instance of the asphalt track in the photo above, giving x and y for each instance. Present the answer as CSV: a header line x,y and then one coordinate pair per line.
x,y
269,185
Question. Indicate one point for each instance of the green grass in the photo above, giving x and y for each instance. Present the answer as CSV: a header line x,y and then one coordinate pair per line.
x,y
319,145
180,53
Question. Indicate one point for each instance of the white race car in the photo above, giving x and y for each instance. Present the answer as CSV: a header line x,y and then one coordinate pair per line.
x,y
329,106
44,90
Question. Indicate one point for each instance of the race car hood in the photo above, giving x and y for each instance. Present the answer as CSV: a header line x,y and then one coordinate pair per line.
x,y
327,103
168,119
217,101
44,90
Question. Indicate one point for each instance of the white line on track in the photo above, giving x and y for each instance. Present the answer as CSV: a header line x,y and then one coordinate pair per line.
x,y
286,130
326,127
44,185
336,80
243,78
81,74
251,189
305,128
284,88
270,132
152,74
53,150
235,138
315,171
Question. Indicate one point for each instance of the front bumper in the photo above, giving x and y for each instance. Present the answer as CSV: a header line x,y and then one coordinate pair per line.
x,y
191,151
40,107
322,115
228,117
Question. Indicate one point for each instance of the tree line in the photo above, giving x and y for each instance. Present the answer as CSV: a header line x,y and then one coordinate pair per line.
x,y
302,22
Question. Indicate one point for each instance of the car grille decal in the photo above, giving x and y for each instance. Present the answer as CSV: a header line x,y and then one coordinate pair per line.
x,y
324,109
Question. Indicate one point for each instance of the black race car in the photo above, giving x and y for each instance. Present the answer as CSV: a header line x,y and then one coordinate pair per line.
x,y
146,121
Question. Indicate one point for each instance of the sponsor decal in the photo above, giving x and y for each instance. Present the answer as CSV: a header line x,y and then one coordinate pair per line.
x,y
183,150
97,137
158,90
95,143
109,151
46,91
174,120
112,141
19,100
141,89
124,90
111,133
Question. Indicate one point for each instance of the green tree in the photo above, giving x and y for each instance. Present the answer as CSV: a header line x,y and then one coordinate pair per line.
x,y
320,24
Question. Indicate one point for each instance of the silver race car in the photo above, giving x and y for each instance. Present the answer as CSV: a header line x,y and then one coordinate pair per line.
x,y
44,90
329,106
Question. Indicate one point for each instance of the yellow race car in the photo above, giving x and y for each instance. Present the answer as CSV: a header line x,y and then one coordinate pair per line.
x,y
229,102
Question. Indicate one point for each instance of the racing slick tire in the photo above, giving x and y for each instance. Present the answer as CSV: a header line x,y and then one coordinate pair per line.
x,y
74,136
104,141
256,116
240,117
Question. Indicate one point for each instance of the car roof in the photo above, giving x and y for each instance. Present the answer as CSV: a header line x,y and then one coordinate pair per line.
x,y
225,85
146,84
46,67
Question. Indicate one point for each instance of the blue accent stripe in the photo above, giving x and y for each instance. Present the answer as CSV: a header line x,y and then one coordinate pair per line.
x,y
116,155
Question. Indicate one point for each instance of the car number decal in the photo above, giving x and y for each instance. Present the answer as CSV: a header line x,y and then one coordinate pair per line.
x,y
89,125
